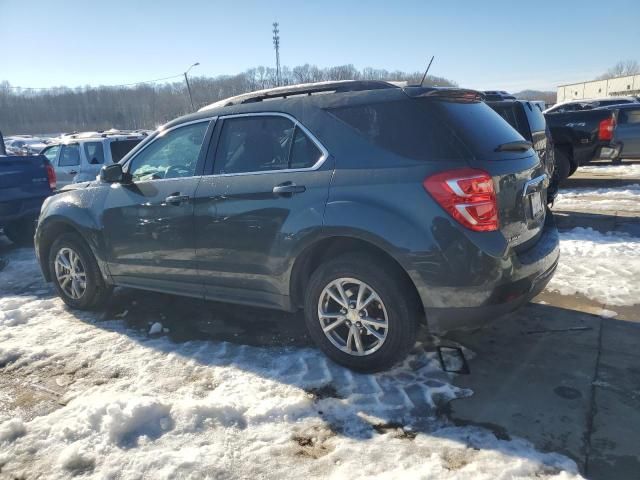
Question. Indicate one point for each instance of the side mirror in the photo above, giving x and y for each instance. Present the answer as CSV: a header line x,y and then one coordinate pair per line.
x,y
112,173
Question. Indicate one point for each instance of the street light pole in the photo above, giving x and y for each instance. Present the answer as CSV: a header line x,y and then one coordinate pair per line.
x,y
186,79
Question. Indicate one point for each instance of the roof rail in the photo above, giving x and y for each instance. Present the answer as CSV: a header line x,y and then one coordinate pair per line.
x,y
301,89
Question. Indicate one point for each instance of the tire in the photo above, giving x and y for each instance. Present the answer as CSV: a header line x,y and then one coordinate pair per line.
x,y
397,303
21,232
96,291
563,165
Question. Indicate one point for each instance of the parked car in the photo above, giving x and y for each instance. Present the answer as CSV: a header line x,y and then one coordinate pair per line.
x,y
372,207
626,131
79,159
580,137
25,181
528,120
26,146
588,104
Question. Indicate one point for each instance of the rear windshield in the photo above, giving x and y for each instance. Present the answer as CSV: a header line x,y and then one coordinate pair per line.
x,y
430,129
121,147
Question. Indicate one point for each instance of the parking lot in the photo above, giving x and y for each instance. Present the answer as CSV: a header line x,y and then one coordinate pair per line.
x,y
160,383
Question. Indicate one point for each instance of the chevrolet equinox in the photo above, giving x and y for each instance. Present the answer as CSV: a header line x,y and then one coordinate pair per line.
x,y
372,207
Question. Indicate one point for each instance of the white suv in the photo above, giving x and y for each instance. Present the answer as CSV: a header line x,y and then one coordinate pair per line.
x,y
79,157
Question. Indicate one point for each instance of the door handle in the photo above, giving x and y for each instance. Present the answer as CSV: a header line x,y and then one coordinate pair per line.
x,y
176,199
72,172
288,188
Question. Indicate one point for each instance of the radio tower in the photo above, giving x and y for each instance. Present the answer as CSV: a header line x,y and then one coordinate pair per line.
x,y
276,45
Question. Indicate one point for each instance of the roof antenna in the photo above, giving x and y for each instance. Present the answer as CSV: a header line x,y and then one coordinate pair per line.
x,y
424,77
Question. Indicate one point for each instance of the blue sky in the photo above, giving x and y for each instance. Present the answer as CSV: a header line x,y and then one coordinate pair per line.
x,y
490,44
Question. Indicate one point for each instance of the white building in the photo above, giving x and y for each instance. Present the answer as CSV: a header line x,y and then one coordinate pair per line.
x,y
612,87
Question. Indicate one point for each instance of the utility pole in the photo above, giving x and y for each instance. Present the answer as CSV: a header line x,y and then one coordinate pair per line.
x,y
186,79
276,45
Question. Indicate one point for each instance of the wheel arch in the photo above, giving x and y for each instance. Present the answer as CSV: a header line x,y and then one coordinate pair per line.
x,y
51,229
330,247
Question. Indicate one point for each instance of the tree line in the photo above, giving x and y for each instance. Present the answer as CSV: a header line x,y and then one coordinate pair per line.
x,y
64,109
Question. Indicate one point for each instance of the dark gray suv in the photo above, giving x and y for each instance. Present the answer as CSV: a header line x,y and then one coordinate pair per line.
x,y
370,206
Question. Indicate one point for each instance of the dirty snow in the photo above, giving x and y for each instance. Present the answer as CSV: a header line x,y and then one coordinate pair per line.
x,y
618,171
599,199
604,267
87,395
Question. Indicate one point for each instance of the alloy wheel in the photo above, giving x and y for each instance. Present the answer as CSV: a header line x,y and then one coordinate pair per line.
x,y
70,273
353,316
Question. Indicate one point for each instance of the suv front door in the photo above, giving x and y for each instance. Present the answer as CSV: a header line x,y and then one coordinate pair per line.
x,y
267,189
148,221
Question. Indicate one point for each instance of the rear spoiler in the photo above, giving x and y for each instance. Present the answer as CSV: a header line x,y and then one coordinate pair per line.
x,y
461,94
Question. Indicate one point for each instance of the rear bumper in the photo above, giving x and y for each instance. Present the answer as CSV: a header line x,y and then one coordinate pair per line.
x,y
608,152
20,210
512,281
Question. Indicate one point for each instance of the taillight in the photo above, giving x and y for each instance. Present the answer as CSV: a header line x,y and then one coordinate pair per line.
x,y
605,128
467,195
51,176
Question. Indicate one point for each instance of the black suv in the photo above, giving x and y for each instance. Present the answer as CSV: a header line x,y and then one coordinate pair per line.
x,y
529,121
371,206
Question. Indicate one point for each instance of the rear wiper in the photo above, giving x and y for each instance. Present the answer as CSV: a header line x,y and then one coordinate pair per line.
x,y
517,146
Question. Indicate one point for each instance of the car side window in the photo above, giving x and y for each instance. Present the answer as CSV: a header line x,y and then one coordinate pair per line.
x,y
70,155
304,152
51,153
254,144
94,153
172,155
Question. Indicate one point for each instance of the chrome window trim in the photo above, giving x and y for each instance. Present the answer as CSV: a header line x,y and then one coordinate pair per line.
x,y
296,123
161,134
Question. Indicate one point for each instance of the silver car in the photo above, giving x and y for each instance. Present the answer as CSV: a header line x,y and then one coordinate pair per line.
x,y
80,159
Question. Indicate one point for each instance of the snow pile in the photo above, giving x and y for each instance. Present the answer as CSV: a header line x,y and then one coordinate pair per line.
x,y
602,267
599,199
131,405
618,171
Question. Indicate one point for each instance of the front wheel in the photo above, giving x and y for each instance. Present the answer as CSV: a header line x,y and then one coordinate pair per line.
x,y
361,313
75,273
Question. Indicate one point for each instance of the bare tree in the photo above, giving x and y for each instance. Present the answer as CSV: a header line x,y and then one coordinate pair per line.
x,y
620,69
63,109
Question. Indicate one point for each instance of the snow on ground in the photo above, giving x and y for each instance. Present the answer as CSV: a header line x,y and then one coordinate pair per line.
x,y
618,171
87,395
599,199
602,267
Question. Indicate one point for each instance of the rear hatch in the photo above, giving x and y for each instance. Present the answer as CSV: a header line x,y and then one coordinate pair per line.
x,y
520,179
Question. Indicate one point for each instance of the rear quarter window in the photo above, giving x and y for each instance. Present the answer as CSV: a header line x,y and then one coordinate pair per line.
x,y
433,129
410,128
537,123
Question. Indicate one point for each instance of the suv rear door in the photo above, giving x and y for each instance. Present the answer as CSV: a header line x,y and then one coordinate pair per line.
x,y
68,164
519,176
267,186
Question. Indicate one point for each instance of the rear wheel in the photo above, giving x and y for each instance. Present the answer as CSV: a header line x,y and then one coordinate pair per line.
x,y
361,313
75,273
21,232
563,165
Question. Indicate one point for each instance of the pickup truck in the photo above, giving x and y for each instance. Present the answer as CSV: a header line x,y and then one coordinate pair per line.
x,y
580,137
25,181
